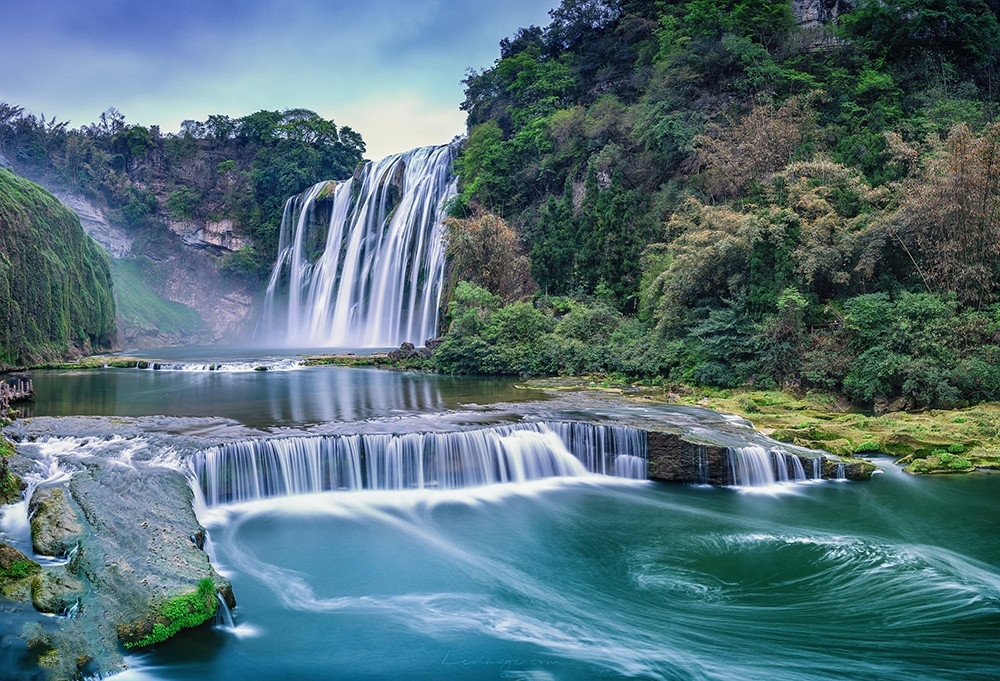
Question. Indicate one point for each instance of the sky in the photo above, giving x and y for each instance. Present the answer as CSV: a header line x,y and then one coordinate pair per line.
x,y
389,69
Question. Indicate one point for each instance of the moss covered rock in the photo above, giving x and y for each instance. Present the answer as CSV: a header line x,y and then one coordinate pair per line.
x,y
55,528
16,572
55,281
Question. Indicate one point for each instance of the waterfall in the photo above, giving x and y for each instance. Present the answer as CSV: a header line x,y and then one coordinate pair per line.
x,y
755,466
258,469
223,615
750,466
600,447
702,464
361,262
798,473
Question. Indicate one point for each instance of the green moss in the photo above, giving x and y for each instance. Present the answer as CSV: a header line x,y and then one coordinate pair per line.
x,y
55,281
20,569
10,484
182,612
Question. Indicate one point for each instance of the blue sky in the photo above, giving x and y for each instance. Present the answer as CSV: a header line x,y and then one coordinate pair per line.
x,y
390,69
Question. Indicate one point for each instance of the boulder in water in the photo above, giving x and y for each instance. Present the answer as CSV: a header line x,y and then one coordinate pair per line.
x,y
55,528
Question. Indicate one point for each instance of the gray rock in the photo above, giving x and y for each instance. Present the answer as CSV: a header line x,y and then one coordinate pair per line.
x,y
55,528
55,591
138,550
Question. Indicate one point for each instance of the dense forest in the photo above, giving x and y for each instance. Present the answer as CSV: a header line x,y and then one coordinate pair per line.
x,y
737,193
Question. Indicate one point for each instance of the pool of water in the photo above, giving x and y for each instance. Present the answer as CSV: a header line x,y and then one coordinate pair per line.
x,y
557,579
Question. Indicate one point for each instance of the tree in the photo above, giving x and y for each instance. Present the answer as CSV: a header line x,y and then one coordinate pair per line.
x,y
485,251
952,206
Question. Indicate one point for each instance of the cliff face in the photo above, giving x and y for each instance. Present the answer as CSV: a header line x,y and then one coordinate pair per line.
x,y
55,281
168,285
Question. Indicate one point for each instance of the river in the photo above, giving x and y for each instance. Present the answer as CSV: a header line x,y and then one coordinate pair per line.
x,y
587,577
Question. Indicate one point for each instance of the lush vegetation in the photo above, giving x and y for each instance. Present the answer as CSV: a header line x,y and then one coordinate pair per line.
x,y
10,484
182,612
712,193
223,168
55,282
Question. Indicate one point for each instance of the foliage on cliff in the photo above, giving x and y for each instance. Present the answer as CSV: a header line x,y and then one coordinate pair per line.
x,y
55,282
223,168
760,201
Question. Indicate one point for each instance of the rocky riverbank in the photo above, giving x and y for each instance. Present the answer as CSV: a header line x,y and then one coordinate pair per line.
x,y
126,564
929,441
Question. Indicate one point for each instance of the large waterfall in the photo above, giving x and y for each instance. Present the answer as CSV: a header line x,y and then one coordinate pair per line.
x,y
259,469
361,262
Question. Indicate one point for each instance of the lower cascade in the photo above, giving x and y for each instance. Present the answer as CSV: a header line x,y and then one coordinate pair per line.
x,y
755,466
260,469
361,262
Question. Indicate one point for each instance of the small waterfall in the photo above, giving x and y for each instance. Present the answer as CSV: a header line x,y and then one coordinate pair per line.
x,y
780,466
750,466
223,615
259,469
817,468
755,466
797,472
72,611
701,452
599,447
841,475
361,262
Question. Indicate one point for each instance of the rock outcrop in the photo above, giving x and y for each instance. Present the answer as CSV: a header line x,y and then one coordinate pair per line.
x,y
814,13
135,555
673,458
55,528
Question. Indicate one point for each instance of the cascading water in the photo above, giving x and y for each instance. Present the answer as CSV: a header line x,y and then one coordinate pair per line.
x,y
259,469
755,466
375,278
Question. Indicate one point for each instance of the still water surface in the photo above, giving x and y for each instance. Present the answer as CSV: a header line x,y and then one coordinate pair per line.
x,y
896,578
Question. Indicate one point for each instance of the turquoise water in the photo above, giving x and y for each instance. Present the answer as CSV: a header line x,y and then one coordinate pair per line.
x,y
893,579
896,578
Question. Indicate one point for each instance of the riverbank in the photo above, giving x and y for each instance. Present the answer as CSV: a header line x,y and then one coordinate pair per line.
x,y
929,441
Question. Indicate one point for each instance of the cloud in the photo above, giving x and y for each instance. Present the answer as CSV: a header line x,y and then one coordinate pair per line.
x,y
163,62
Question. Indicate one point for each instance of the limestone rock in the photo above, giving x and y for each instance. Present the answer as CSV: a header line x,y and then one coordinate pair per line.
x,y
138,550
813,13
55,591
408,351
55,528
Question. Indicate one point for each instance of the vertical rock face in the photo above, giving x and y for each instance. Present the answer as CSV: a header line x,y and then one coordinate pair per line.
x,y
672,459
814,13
185,267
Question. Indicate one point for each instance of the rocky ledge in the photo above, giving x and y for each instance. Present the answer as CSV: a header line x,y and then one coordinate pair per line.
x,y
134,569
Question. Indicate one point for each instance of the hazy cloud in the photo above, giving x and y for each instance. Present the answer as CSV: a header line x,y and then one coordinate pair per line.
x,y
390,69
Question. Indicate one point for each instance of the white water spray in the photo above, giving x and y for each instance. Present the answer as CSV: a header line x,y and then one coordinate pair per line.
x,y
376,279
